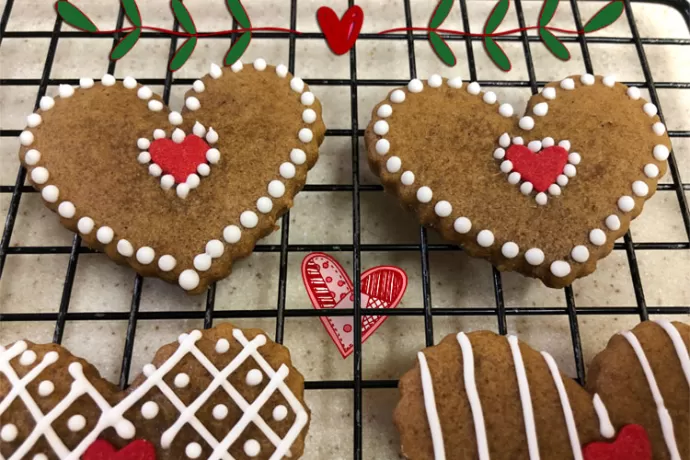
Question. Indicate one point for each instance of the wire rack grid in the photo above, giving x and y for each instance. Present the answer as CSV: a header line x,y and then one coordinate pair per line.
x,y
500,311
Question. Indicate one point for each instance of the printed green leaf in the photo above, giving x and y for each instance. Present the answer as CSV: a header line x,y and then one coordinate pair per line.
x,y
440,13
554,45
74,17
497,54
442,50
496,16
237,50
238,12
605,16
126,44
183,17
548,9
183,53
132,11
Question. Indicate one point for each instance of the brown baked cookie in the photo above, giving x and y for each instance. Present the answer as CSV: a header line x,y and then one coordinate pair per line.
x,y
175,195
643,377
481,395
546,194
220,393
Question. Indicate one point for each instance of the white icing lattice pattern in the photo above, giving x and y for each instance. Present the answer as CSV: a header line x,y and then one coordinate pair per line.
x,y
113,416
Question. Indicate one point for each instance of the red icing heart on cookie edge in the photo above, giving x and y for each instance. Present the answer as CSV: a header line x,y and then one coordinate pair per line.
x,y
632,443
135,450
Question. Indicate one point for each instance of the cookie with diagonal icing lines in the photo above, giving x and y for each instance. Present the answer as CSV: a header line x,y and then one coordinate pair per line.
x,y
545,194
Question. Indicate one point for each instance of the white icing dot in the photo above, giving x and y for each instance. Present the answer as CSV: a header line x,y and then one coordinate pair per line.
x,y
192,103
565,144
9,432
178,136
76,423
50,193
203,169
626,203
158,134
213,156
279,413
415,86
129,83
485,238
202,262
568,84
541,198
143,143
510,250
198,129
613,222
661,152
254,377
518,140
534,256
393,164
305,135
307,98
155,106
474,88
574,158
381,128
505,110
506,166
107,80
541,109
276,189
86,83
580,254
167,181
33,120
570,170
260,64
264,205
560,268
40,175
199,86
587,79
548,142
40,457
26,138
398,96
407,178
211,136
148,369
193,450
149,410
175,118
309,116
85,225
650,109
166,263
281,70
640,188
181,380
526,188
424,194
633,93
443,208
554,189
215,248
220,411
549,93
46,388
658,128
222,346
32,157
46,103
27,358
193,181
252,447
499,153
462,225
237,66
504,140
249,219
216,72
562,180
296,84
384,111
287,170
145,255
65,91
526,123
435,81
232,234
125,248
651,170
609,81
298,157
382,146
455,82
105,235
597,237
534,146
514,178
490,97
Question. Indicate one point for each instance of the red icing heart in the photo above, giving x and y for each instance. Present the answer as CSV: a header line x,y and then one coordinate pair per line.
x,y
135,450
340,34
179,160
382,287
541,169
632,443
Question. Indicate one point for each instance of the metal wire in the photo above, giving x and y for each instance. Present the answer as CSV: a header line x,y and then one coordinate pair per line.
x,y
282,312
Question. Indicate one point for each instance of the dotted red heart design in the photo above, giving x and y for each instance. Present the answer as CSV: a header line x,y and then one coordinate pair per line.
x,y
542,168
179,159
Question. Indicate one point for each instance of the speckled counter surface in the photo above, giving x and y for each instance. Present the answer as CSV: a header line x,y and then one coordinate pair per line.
x,y
34,282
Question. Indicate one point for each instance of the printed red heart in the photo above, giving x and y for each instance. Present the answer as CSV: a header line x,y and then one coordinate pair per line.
x,y
342,33
135,450
541,169
179,160
632,443
382,287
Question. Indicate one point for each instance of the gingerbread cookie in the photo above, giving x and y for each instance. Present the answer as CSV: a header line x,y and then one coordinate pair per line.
x,y
546,194
221,393
175,195
643,376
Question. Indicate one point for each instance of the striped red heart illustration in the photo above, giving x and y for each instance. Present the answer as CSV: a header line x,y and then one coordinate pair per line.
x,y
329,287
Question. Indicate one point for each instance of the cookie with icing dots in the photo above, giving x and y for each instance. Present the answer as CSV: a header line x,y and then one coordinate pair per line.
x,y
177,195
222,393
643,377
545,194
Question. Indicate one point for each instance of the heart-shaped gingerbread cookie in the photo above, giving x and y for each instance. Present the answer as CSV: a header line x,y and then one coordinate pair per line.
x,y
546,194
175,195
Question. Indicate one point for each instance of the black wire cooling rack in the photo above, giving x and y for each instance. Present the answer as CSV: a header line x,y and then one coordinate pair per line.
x,y
500,311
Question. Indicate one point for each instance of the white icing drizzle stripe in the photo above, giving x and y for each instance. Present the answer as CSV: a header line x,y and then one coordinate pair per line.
x,y
431,412
679,345
473,396
664,417
606,428
525,398
565,402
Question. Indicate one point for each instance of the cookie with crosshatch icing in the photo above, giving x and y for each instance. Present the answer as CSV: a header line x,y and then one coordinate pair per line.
x,y
546,194
176,195
221,393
